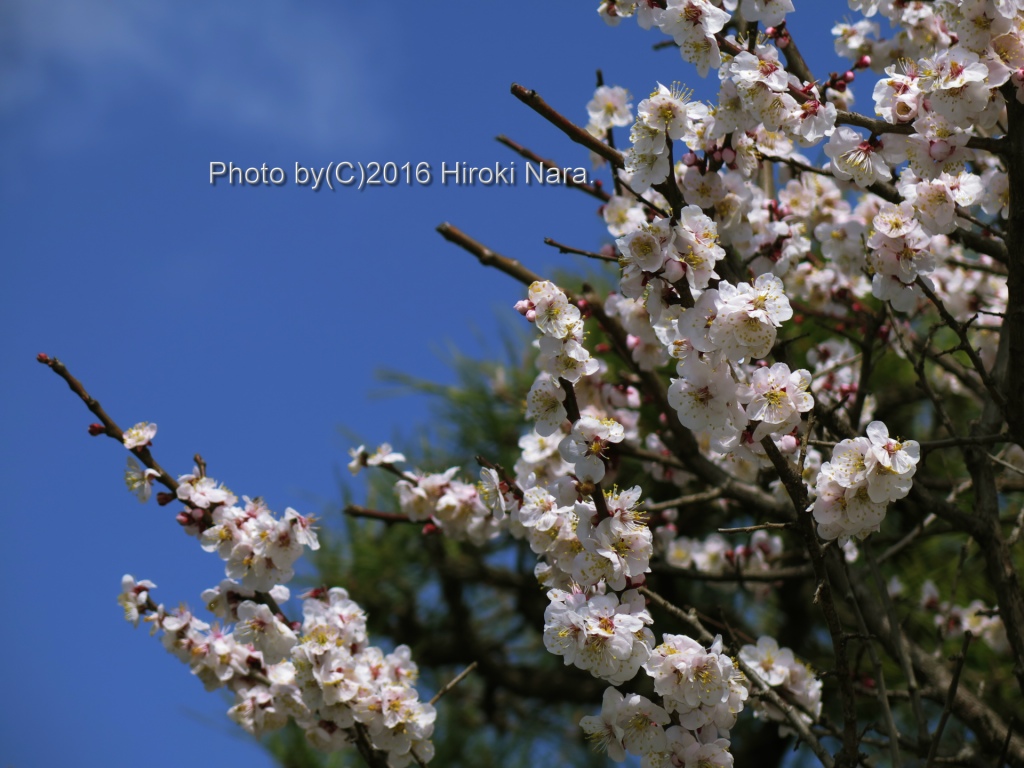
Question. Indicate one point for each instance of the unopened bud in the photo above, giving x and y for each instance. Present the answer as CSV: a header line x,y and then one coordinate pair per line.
x,y
602,348
849,76
96,429
183,517
689,159
728,155
523,306
42,357
531,315
429,529
863,62
839,86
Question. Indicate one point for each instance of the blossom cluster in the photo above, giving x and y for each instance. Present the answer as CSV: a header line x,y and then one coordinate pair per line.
x,y
863,477
322,673
953,620
596,632
779,668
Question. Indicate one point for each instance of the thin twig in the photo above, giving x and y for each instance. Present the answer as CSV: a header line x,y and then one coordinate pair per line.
x,y
960,329
562,248
761,527
683,501
591,189
898,641
453,682
876,662
109,425
797,490
950,697
354,510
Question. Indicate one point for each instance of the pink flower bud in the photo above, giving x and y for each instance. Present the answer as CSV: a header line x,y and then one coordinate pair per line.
x,y
849,76
523,306
42,357
96,429
728,155
863,62
690,159
183,518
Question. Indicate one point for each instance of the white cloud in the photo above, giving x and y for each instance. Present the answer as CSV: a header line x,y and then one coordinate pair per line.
x,y
275,68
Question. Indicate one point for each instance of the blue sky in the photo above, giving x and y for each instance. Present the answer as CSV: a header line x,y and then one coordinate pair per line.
x,y
247,322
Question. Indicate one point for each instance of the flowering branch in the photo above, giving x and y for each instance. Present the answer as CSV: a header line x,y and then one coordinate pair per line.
x,y
110,427
798,493
792,716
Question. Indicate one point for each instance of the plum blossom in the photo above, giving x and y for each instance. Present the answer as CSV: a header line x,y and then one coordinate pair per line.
x,y
610,107
134,595
855,158
139,481
140,435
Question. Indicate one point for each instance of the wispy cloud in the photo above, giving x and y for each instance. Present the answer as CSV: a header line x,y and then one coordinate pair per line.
x,y
280,69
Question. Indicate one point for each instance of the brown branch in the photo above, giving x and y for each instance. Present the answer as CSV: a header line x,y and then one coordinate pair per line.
x,y
772,575
684,501
569,249
487,257
898,642
960,329
354,510
876,662
950,698
109,425
533,100
593,190
761,527
1013,325
956,442
453,682
983,143
797,491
